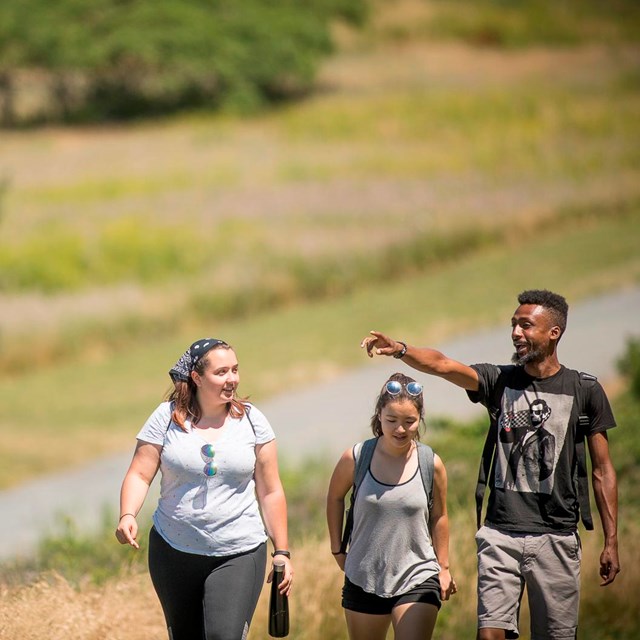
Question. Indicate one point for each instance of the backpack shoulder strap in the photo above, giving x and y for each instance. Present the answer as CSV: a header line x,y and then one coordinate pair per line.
x,y
426,465
363,460
172,406
489,448
362,453
247,411
484,470
586,381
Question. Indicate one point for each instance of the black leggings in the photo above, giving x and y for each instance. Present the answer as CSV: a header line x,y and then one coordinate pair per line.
x,y
204,597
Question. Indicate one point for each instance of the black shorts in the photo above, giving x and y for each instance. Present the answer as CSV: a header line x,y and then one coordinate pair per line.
x,y
356,599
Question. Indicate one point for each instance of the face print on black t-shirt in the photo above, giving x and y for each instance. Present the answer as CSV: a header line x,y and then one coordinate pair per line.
x,y
531,433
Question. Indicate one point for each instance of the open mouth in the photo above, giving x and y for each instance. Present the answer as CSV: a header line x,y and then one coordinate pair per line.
x,y
520,346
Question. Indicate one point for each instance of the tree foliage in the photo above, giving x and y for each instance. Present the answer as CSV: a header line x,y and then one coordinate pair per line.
x,y
629,365
121,58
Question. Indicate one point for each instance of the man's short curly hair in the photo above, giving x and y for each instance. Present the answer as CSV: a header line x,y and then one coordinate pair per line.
x,y
554,303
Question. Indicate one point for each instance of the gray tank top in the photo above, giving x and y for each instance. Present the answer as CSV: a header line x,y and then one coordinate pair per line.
x,y
390,550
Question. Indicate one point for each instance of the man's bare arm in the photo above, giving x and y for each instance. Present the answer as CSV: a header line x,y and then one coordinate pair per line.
x,y
423,359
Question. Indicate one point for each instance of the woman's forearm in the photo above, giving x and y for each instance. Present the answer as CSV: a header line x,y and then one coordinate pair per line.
x,y
440,539
274,512
133,493
335,521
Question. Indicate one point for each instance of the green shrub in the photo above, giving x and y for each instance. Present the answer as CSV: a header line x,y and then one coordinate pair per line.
x,y
629,365
153,56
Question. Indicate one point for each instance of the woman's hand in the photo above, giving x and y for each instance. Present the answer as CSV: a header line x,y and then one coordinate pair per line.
x,y
287,581
127,530
340,558
448,585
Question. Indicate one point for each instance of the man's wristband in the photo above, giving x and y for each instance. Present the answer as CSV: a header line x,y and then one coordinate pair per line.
x,y
337,553
281,552
126,514
402,352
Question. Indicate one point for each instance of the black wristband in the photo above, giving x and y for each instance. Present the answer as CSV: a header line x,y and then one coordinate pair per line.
x,y
281,552
402,352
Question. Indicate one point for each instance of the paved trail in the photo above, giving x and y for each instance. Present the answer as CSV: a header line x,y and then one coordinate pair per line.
x,y
322,420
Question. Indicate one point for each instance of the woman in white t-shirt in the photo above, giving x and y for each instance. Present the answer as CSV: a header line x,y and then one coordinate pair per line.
x,y
218,462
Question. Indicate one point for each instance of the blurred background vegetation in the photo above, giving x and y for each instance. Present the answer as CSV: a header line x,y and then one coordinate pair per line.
x,y
104,59
287,175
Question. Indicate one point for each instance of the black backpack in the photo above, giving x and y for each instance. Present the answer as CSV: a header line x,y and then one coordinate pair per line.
x,y
363,460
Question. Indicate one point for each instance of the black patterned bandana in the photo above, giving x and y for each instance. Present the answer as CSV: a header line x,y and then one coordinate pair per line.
x,y
182,369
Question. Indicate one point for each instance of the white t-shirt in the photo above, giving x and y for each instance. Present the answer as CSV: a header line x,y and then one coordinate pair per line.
x,y
208,515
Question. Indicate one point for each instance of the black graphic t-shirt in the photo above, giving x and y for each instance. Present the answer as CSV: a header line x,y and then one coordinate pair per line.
x,y
533,477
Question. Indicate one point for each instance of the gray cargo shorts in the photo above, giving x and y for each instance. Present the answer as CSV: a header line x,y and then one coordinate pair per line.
x,y
547,563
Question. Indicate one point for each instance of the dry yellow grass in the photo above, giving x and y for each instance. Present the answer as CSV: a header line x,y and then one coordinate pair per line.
x,y
127,608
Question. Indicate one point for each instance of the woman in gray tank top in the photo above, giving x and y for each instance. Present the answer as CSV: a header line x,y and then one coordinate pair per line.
x,y
397,567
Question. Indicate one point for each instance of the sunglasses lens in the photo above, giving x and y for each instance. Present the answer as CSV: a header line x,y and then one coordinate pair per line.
x,y
394,387
414,388
208,451
210,469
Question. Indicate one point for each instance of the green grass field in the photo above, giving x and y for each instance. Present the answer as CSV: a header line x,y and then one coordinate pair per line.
x,y
89,408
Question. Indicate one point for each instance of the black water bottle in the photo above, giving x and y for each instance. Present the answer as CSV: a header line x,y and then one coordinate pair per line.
x,y
278,606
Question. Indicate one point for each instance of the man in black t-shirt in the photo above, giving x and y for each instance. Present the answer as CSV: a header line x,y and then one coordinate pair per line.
x,y
529,536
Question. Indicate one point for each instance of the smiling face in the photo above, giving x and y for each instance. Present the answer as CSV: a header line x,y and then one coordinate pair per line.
x,y
218,377
533,334
399,421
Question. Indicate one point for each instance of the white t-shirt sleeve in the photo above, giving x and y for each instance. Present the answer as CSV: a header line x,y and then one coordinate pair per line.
x,y
263,429
155,428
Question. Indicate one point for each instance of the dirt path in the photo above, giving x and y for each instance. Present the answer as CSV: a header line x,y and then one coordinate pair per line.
x,y
307,423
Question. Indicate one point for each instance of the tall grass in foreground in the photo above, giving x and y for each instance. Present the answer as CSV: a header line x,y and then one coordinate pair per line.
x,y
127,608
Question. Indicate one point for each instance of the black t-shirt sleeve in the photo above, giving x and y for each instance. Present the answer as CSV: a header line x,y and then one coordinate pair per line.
x,y
487,377
599,410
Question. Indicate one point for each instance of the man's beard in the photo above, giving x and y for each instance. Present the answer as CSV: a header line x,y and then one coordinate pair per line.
x,y
535,355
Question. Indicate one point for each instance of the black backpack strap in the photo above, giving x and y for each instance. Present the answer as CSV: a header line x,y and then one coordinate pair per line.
x,y
362,462
586,380
425,463
172,406
247,411
484,470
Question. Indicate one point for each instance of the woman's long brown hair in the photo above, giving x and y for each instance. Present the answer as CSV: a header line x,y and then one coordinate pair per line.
x,y
185,401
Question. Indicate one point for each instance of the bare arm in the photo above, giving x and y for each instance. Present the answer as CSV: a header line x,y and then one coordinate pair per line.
x,y
605,489
339,485
423,359
135,486
273,506
439,521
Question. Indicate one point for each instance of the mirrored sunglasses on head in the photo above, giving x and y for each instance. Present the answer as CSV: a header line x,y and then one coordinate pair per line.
x,y
393,387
